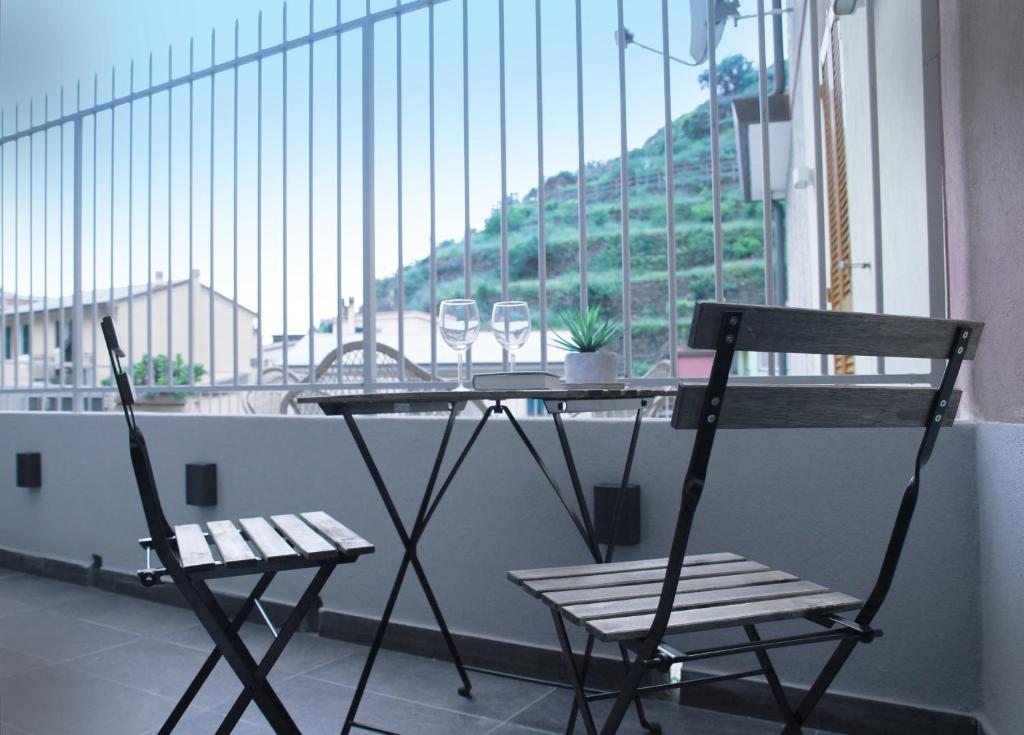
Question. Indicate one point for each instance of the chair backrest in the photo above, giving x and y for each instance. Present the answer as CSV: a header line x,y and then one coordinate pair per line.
x,y
726,328
159,530
780,329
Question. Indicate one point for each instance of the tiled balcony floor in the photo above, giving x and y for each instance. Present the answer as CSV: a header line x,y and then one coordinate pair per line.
x,y
74,659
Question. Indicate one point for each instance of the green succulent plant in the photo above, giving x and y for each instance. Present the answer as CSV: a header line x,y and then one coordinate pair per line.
x,y
587,331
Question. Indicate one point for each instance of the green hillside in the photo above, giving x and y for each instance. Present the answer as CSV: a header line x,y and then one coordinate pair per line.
x,y
742,235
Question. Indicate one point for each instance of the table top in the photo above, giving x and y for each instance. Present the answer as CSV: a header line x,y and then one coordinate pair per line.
x,y
338,403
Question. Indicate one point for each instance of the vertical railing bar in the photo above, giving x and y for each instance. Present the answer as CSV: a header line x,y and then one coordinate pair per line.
x,y
63,311
339,319
213,269
259,201
95,317
504,163
3,271
627,306
400,273
149,230
31,239
46,245
542,247
467,232
131,220
433,195
15,338
876,173
309,198
76,337
766,178
716,161
670,201
581,163
234,219
191,206
170,262
284,194
369,223
819,173
113,128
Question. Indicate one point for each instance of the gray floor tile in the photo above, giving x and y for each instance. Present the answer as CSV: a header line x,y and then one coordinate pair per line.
x,y
320,707
9,607
56,637
13,662
129,613
433,682
204,722
31,590
58,699
550,715
305,651
508,728
161,668
7,728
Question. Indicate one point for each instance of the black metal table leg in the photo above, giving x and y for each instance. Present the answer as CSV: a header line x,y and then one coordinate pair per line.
x,y
581,519
410,558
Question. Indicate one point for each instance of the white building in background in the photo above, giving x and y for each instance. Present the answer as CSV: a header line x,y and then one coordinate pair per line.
x,y
487,353
910,215
35,339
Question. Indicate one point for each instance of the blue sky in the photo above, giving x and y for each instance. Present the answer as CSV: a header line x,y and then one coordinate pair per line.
x,y
48,43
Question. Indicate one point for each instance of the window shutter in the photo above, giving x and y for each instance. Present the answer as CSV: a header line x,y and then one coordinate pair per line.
x,y
840,292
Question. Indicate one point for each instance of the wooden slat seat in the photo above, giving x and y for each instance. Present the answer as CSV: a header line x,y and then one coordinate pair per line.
x,y
349,542
618,601
591,581
287,540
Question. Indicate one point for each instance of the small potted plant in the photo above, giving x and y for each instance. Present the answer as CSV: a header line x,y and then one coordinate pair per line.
x,y
585,361
179,375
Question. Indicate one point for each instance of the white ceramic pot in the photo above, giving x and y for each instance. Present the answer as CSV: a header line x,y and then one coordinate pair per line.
x,y
591,367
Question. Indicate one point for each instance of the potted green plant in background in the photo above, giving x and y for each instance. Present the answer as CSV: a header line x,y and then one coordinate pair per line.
x,y
178,374
586,361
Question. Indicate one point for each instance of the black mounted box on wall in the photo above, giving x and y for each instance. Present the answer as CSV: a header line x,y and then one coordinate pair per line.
x,y
29,469
605,498
201,483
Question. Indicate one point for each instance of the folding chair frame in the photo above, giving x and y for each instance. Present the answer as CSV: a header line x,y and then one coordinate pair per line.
x,y
193,587
651,653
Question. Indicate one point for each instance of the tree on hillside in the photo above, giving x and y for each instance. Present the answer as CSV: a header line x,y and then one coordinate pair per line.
x,y
734,73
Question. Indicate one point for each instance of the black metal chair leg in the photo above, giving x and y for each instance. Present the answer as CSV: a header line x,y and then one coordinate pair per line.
x,y
773,681
213,618
584,667
211,661
284,635
821,685
577,682
638,702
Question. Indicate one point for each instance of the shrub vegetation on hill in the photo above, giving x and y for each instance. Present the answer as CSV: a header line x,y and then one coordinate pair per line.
x,y
743,265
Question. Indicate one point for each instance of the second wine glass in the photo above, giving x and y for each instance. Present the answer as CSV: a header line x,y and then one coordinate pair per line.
x,y
510,325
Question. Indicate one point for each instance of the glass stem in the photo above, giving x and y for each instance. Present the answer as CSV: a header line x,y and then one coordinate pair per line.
x,y
462,359
511,361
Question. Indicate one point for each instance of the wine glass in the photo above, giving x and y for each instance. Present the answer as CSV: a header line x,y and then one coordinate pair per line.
x,y
510,324
460,326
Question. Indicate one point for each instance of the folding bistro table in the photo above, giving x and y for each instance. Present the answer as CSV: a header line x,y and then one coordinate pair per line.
x,y
558,403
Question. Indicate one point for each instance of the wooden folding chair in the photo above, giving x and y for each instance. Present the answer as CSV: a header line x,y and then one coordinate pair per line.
x,y
638,603
191,556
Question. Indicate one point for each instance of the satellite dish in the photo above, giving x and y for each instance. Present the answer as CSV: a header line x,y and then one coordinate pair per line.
x,y
699,25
